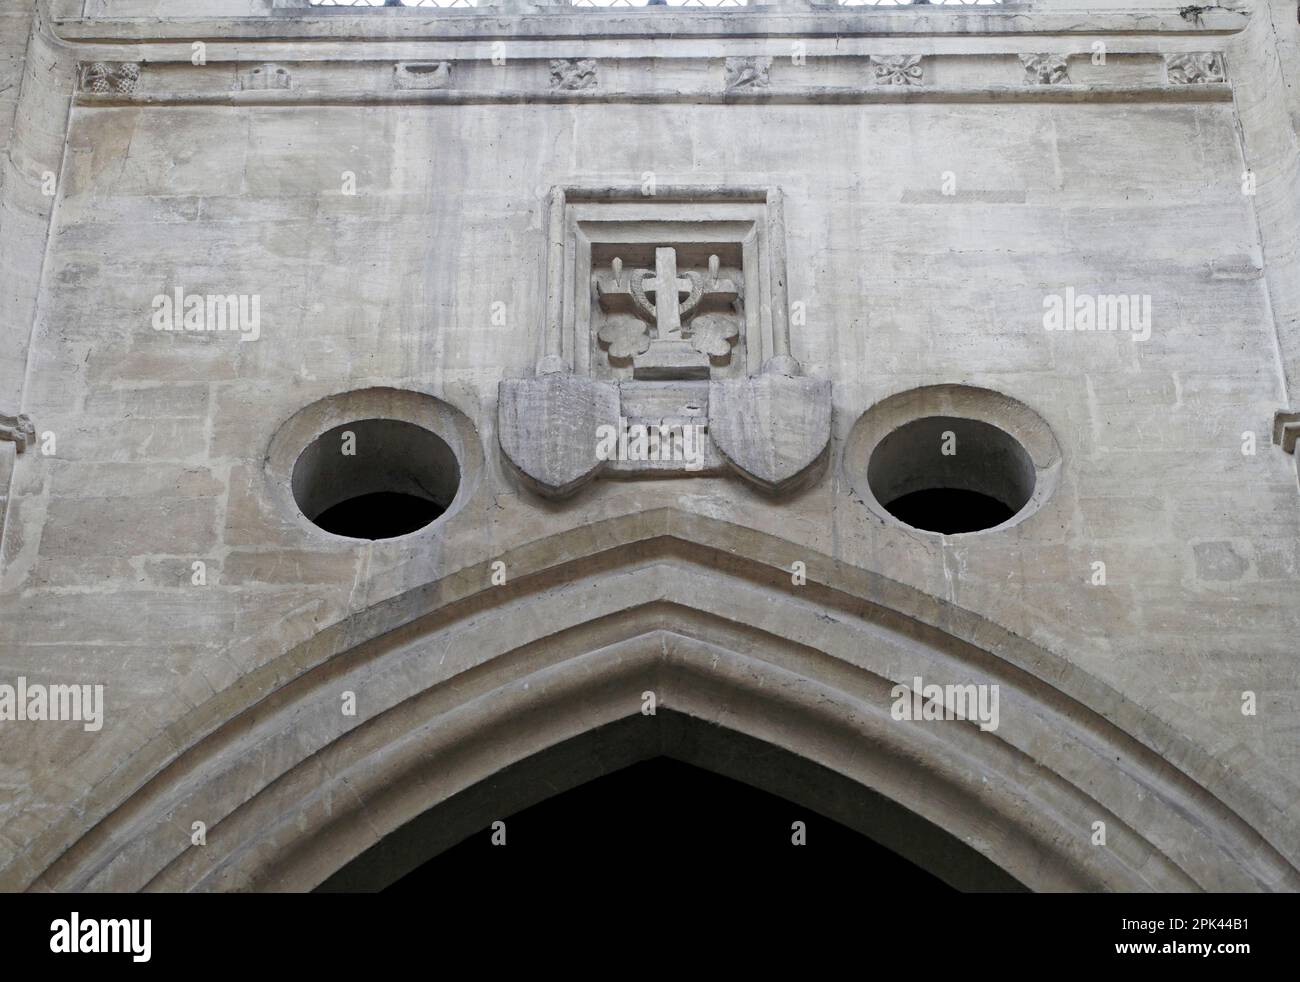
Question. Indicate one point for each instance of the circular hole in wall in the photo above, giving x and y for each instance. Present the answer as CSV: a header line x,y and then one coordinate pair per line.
x,y
375,479
951,475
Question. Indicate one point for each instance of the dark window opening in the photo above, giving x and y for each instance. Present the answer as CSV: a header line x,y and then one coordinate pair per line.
x,y
379,515
375,479
949,510
951,475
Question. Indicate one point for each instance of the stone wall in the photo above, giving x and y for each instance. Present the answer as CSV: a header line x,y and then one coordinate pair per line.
x,y
396,236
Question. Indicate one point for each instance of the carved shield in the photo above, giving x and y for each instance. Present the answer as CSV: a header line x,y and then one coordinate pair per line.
x,y
548,429
773,429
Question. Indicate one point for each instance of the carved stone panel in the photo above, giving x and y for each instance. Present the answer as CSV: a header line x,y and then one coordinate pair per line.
x,y
667,348
422,75
1045,69
109,77
265,78
573,73
749,72
897,69
685,330
1195,68
18,430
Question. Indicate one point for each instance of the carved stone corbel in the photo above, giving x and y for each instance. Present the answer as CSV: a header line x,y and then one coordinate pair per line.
x,y
18,430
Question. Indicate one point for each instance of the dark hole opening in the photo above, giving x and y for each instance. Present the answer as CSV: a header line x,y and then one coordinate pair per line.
x,y
949,510
379,515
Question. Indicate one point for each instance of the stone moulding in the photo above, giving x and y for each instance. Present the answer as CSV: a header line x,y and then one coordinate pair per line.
x,y
423,23
845,74
295,434
1010,415
18,430
684,604
765,423
871,94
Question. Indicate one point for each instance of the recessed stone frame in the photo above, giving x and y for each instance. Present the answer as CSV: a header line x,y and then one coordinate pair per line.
x,y
300,431
902,412
736,382
748,220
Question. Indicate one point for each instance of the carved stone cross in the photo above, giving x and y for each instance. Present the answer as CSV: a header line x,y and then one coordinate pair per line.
x,y
670,301
668,290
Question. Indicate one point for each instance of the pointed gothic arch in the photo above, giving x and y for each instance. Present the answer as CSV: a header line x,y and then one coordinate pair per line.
x,y
459,680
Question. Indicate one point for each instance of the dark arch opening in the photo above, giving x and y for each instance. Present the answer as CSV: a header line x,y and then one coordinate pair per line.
x,y
655,793
665,815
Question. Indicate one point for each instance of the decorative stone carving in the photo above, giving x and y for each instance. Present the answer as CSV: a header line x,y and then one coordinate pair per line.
x,y
667,318
665,343
549,429
265,77
1195,68
897,69
573,73
1045,69
773,430
422,75
18,430
106,77
750,72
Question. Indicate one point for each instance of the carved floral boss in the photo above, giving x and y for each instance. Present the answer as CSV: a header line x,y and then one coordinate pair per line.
x,y
665,314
